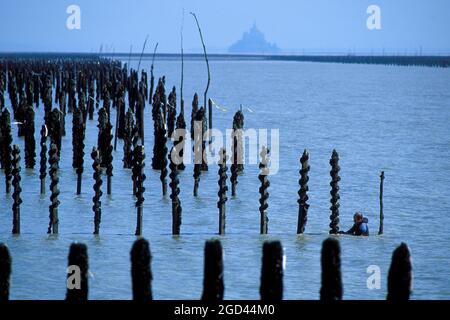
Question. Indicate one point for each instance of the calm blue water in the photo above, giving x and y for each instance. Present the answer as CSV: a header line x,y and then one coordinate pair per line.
x,y
387,118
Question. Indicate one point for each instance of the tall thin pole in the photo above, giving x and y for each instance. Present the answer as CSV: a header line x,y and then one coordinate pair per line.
x,y
380,231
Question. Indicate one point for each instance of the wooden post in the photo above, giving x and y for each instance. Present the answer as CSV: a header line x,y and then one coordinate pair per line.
x,y
222,189
6,147
139,178
5,272
400,274
141,273
77,266
331,271
43,155
334,173
271,288
302,193
213,285
97,189
17,189
264,194
175,191
53,160
381,230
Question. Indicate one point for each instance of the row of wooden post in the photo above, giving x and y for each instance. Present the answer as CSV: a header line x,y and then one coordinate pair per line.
x,y
138,176
272,271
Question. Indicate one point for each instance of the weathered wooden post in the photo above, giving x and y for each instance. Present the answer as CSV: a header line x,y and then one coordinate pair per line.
x,y
222,189
238,139
237,165
331,288
271,288
54,129
139,178
97,204
53,161
400,274
175,191
381,230
109,162
181,135
193,113
128,140
163,161
77,289
171,111
6,147
5,272
264,194
302,193
78,132
30,142
17,189
210,124
141,273
43,155
213,284
334,173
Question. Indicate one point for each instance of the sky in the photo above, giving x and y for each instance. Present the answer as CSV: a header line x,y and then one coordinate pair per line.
x,y
296,26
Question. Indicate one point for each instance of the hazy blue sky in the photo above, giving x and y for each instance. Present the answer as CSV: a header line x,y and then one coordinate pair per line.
x,y
294,25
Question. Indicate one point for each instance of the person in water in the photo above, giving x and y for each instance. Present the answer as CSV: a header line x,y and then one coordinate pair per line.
x,y
360,227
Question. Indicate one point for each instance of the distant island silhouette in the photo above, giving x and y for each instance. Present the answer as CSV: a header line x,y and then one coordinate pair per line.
x,y
254,41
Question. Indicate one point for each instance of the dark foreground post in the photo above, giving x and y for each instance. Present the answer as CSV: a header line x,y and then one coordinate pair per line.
x,y
334,173
77,273
141,273
213,286
97,204
271,288
264,194
222,189
5,272
331,271
17,189
381,230
302,193
139,178
400,274
53,160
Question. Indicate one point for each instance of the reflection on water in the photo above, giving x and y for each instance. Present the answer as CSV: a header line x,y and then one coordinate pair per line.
x,y
377,117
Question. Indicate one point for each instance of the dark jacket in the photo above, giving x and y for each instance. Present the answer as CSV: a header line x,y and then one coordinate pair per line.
x,y
359,228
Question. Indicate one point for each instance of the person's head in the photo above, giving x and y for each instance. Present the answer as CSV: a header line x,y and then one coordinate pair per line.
x,y
357,217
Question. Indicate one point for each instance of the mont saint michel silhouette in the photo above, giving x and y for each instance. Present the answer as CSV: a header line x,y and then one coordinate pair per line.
x,y
254,41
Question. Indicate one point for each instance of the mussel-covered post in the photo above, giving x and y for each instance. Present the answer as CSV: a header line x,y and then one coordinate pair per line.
x,y
334,173
6,147
175,191
331,271
139,178
141,273
213,285
302,193
53,160
264,194
5,272
97,204
77,273
400,274
43,155
163,174
222,189
78,131
30,142
271,288
17,200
